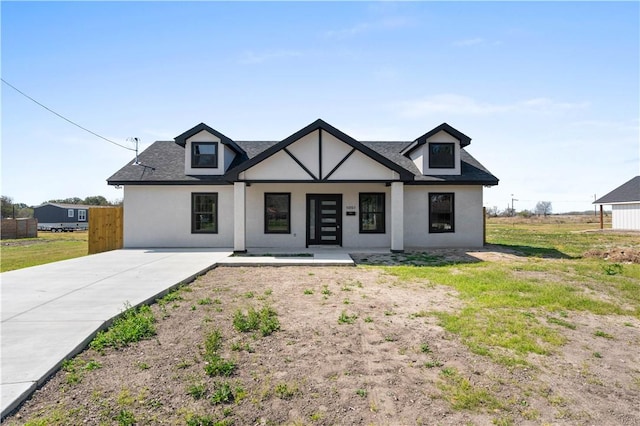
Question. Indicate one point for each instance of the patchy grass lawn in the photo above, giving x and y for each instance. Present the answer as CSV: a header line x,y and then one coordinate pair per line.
x,y
535,335
48,247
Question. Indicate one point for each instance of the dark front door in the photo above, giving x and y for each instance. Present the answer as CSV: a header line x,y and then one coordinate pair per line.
x,y
324,219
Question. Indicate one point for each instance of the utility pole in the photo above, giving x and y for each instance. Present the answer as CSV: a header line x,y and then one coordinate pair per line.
x,y
513,209
595,207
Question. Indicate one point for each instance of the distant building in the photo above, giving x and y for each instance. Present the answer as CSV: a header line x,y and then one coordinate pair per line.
x,y
625,205
62,217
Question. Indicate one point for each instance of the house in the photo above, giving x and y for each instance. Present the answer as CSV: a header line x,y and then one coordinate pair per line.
x,y
59,217
318,186
625,205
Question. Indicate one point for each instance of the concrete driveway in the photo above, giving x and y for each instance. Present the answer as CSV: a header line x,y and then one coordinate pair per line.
x,y
51,312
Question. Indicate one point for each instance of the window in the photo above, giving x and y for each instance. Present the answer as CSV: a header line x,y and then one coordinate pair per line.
x,y
204,213
70,213
82,215
441,156
372,213
204,154
277,219
441,217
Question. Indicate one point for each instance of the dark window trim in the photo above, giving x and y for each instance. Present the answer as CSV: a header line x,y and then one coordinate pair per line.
x,y
193,213
453,156
384,213
288,230
453,214
193,155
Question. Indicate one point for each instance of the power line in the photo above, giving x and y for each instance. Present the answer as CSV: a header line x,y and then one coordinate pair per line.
x,y
63,117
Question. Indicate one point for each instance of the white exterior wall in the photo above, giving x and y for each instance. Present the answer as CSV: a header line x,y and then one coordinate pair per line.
x,y
468,217
280,166
417,156
160,216
626,216
351,238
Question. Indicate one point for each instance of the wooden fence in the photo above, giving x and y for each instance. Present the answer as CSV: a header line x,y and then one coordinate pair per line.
x,y
105,229
19,228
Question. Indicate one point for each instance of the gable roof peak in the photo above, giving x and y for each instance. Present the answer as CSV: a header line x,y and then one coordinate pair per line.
x,y
464,139
444,127
338,134
182,138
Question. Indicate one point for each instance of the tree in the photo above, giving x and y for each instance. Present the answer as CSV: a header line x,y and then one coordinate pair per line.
x,y
93,200
72,200
509,212
493,211
24,211
543,208
96,200
7,207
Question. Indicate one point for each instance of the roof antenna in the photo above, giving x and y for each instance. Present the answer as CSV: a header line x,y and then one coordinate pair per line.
x,y
135,140
137,162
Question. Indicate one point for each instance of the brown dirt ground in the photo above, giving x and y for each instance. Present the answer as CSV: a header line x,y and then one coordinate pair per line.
x,y
373,371
616,254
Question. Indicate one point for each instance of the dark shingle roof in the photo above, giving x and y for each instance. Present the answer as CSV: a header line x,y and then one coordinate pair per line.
x,y
472,171
627,192
163,163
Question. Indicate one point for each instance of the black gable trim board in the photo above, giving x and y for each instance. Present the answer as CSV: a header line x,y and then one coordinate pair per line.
x,y
464,139
164,161
182,139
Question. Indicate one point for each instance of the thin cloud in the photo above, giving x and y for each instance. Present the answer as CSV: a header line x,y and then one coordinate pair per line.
x,y
364,27
477,41
464,105
250,57
469,42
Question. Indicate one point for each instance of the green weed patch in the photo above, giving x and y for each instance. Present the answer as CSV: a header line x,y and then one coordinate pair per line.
x,y
133,325
265,320
462,395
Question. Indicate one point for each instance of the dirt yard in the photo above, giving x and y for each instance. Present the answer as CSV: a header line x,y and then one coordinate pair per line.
x,y
355,347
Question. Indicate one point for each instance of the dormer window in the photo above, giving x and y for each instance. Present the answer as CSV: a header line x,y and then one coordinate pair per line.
x,y
441,156
204,154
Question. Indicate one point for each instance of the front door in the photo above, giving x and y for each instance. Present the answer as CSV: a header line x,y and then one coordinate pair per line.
x,y
324,219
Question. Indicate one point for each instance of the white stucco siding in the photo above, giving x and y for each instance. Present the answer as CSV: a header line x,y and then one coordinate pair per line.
x,y
351,237
468,217
228,156
280,166
333,152
160,216
626,216
359,166
417,156
205,136
306,151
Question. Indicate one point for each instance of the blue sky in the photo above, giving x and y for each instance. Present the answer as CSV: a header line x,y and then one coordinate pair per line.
x,y
548,91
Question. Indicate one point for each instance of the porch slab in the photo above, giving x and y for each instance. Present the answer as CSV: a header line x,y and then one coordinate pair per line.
x,y
312,256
